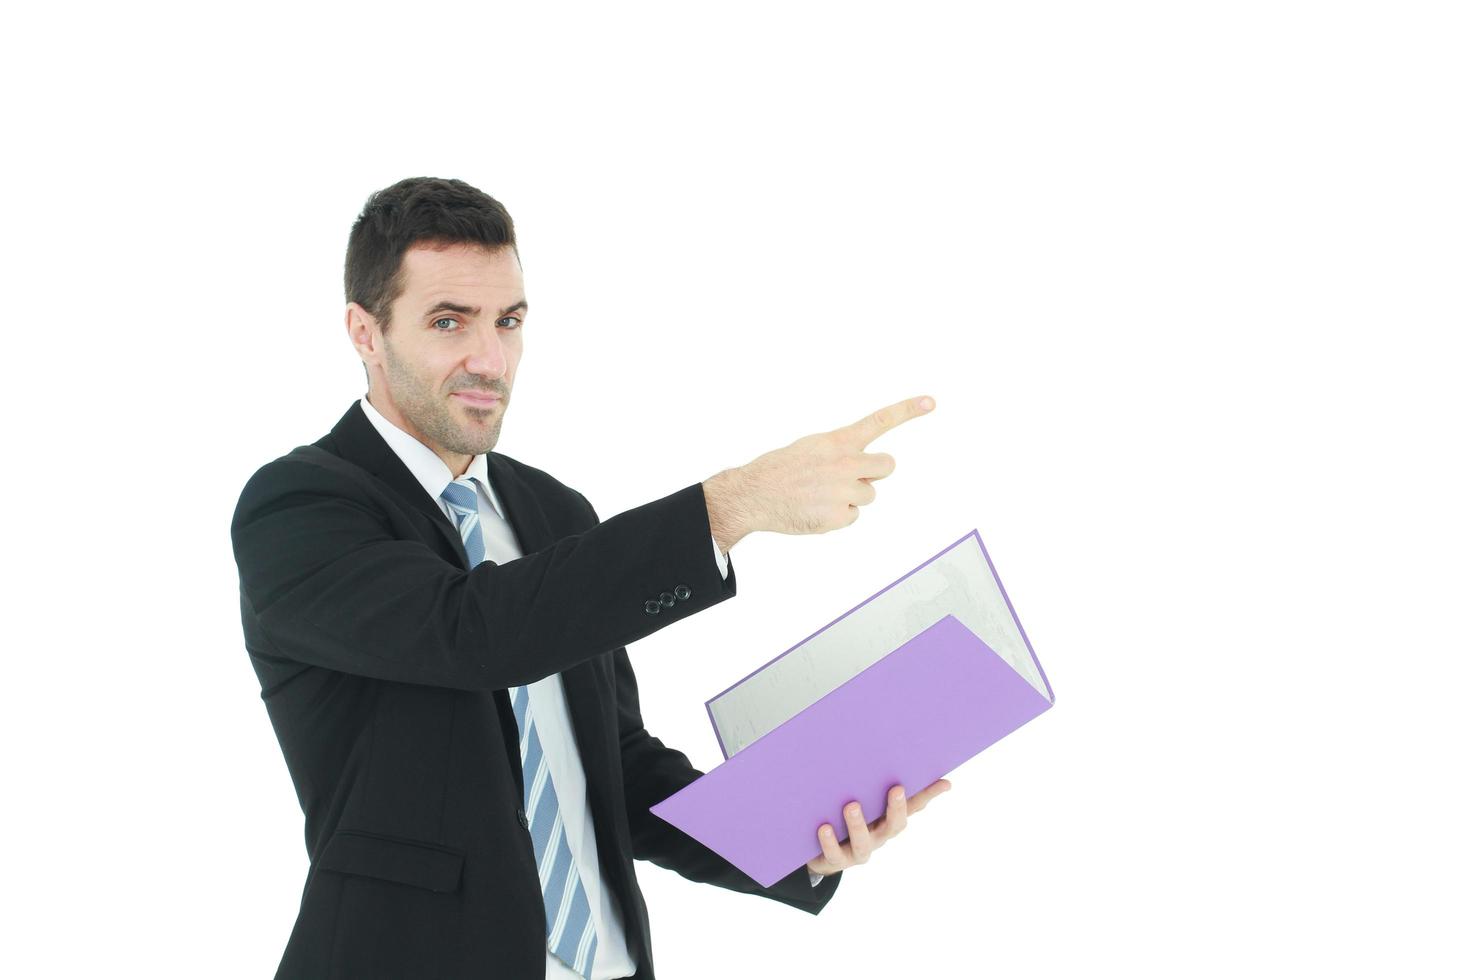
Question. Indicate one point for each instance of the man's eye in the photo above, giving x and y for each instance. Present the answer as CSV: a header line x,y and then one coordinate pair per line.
x,y
504,318
445,319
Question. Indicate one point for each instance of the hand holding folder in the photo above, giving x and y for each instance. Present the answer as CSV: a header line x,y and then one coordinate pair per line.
x,y
864,838
918,678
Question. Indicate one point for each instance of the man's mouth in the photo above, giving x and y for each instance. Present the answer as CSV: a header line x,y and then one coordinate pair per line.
x,y
482,399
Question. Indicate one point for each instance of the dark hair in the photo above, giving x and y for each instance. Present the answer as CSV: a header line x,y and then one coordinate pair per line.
x,y
416,210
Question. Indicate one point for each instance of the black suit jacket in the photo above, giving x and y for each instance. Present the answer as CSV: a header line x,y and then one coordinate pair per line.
x,y
383,660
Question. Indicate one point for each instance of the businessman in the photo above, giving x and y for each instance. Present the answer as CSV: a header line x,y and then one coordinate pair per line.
x,y
440,635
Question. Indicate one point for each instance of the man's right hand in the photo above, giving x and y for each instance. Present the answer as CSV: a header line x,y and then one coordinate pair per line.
x,y
812,486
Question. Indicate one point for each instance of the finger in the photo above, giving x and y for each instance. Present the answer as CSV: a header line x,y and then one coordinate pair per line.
x,y
865,430
858,836
921,799
897,817
831,850
875,466
929,792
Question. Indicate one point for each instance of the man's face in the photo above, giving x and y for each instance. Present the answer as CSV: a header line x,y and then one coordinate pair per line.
x,y
455,332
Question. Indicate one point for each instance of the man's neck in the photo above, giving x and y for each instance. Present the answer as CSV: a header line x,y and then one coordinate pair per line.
x,y
456,463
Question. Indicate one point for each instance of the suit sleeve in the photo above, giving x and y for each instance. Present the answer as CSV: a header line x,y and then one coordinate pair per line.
x,y
327,579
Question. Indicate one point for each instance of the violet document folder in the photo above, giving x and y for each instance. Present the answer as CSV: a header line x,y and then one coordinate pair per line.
x,y
900,689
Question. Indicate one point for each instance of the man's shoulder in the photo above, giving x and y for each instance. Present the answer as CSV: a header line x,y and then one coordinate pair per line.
x,y
307,461
305,469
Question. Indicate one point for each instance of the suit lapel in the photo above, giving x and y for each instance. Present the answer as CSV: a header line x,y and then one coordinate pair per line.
x,y
358,441
524,512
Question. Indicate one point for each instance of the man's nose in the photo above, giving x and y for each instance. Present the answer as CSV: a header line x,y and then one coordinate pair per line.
x,y
488,357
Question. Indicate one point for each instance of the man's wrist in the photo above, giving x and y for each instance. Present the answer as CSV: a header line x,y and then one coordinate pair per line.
x,y
722,502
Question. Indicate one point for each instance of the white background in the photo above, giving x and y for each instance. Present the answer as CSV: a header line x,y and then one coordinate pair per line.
x,y
1187,282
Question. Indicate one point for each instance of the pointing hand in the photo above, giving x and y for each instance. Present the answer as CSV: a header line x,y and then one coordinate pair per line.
x,y
814,485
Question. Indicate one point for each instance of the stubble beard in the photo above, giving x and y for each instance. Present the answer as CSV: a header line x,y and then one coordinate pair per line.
x,y
435,417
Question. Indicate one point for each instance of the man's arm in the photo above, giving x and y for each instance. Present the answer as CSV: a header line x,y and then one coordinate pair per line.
x,y
332,576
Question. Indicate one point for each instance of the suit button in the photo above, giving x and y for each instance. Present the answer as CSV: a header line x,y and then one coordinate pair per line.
x,y
682,591
652,606
521,816
667,598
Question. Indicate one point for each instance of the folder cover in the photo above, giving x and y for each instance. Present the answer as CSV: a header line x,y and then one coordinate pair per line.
x,y
900,689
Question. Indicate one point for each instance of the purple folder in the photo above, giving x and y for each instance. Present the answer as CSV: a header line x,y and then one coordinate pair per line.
x,y
909,717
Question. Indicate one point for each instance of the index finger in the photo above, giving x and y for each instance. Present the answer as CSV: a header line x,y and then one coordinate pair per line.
x,y
865,430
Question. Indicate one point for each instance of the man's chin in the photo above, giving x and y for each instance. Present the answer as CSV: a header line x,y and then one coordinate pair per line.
x,y
480,436
475,421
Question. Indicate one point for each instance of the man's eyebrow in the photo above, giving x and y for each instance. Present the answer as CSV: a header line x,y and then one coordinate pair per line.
x,y
449,306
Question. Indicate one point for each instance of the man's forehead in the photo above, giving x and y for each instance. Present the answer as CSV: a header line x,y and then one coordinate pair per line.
x,y
460,268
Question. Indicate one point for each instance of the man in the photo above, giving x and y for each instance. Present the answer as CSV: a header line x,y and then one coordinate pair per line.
x,y
440,635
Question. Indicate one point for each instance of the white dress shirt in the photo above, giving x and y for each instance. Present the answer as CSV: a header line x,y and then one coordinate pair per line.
x,y
547,703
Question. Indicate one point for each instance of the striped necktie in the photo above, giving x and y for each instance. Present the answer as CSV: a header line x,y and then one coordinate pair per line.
x,y
569,928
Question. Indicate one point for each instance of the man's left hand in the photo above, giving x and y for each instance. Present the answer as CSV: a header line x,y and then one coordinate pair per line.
x,y
864,838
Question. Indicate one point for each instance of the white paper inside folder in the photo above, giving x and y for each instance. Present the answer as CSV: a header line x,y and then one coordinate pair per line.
x,y
958,581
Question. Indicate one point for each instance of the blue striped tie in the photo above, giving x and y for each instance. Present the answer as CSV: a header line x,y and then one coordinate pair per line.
x,y
569,932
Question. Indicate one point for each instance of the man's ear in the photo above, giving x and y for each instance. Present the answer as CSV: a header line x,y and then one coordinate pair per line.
x,y
363,333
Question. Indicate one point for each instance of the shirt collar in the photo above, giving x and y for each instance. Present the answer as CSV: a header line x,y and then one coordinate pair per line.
x,y
425,464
